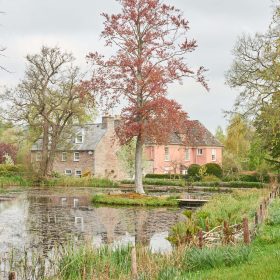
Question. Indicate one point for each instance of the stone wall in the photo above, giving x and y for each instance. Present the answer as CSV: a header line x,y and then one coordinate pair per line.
x,y
85,164
106,160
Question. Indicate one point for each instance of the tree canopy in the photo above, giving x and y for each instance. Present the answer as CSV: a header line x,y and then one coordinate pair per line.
x,y
151,43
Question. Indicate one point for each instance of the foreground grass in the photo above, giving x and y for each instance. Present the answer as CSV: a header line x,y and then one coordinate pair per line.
x,y
134,200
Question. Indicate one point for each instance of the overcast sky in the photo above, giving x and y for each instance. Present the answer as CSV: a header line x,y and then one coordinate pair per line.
x,y
76,25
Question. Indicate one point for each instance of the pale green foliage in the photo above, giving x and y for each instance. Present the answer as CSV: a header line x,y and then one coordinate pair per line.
x,y
126,156
220,134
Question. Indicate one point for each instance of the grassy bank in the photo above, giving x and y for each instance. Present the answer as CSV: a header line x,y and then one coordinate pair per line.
x,y
134,200
80,182
17,181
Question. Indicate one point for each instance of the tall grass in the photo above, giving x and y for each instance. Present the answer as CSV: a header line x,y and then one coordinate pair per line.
x,y
87,263
231,208
14,181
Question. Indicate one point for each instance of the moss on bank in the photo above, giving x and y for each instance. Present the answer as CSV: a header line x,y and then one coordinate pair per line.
x,y
134,200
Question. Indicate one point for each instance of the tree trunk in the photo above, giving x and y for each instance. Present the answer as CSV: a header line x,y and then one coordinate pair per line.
x,y
45,148
138,166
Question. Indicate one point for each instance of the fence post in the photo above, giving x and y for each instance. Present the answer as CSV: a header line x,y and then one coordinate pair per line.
x,y
246,232
261,212
134,263
12,275
200,239
256,219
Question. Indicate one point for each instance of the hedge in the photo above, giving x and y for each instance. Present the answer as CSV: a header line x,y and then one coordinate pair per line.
x,y
165,176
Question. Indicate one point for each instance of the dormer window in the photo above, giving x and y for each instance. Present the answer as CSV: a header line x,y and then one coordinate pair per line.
x,y
79,139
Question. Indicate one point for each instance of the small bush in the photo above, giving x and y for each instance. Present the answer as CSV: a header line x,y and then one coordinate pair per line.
x,y
214,169
193,170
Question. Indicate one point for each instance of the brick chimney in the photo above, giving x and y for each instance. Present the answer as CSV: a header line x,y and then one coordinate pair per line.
x,y
107,122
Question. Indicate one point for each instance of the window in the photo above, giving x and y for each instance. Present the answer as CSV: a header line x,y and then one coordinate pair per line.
x,y
38,156
76,156
199,152
63,156
79,139
187,154
78,173
213,155
166,154
68,172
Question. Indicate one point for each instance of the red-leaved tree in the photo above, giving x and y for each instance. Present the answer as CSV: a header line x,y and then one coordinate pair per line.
x,y
150,43
7,149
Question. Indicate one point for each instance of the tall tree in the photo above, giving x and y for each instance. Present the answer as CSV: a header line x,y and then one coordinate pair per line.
x,y
48,99
256,73
255,69
150,39
237,141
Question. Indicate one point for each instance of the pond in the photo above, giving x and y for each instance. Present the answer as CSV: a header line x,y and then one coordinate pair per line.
x,y
41,219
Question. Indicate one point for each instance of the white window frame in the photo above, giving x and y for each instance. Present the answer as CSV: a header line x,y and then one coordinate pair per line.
x,y
78,170
187,154
166,153
63,156
76,158
68,173
214,155
199,151
38,156
81,140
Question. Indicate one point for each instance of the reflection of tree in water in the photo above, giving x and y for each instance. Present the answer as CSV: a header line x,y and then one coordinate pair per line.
x,y
49,224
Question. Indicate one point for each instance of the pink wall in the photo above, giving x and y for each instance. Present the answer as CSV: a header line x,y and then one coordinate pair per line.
x,y
177,157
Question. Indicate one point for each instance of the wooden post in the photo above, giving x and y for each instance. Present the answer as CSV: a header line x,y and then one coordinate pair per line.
x,y
246,232
134,263
256,219
207,225
200,239
261,212
12,275
226,232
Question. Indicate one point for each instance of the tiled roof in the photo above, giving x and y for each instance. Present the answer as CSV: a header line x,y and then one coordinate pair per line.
x,y
196,134
92,134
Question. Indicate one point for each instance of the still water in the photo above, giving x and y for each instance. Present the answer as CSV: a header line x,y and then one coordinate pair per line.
x,y
40,219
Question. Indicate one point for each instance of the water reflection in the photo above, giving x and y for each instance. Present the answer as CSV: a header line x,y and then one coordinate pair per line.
x,y
43,221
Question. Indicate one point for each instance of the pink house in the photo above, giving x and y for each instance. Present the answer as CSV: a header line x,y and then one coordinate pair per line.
x,y
196,146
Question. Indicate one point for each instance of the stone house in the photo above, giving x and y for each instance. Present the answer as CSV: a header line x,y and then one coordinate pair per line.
x,y
91,149
195,146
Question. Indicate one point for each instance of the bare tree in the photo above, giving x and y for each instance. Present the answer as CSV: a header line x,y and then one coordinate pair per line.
x,y
48,99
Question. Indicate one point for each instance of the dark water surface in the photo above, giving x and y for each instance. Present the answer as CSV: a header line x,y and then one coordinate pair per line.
x,y
42,219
